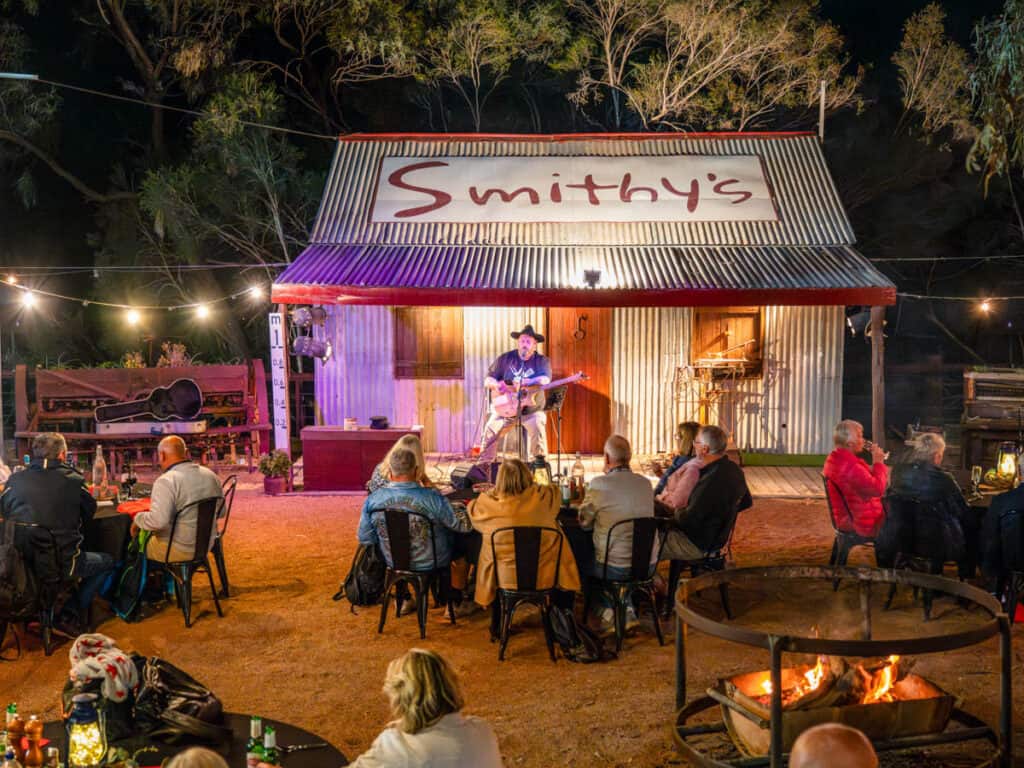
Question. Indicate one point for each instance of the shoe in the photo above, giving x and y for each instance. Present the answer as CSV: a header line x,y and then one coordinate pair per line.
x,y
462,610
607,628
408,606
632,622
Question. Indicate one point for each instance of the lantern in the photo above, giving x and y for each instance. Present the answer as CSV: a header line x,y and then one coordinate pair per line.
x,y
87,738
1006,463
541,471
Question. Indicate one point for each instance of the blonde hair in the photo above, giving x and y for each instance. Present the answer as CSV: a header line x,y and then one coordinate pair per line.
x,y
686,433
926,446
514,477
421,688
197,757
409,443
844,432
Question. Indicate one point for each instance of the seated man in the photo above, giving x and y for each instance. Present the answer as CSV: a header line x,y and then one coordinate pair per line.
x,y
928,516
1002,536
618,494
718,494
852,481
404,492
832,745
52,494
182,483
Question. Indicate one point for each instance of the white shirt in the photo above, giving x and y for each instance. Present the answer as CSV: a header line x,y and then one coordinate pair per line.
x,y
181,485
455,741
617,495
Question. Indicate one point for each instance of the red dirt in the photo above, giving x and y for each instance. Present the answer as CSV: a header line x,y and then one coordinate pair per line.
x,y
286,651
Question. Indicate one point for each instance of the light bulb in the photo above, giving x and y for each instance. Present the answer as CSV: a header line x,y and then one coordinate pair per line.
x,y
202,311
132,317
28,299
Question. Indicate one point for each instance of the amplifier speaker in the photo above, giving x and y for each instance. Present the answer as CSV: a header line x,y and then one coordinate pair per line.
x,y
465,475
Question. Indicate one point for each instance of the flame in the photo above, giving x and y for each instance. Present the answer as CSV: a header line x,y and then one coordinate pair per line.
x,y
813,678
881,682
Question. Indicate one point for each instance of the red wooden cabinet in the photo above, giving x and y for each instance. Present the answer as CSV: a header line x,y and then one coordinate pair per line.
x,y
334,459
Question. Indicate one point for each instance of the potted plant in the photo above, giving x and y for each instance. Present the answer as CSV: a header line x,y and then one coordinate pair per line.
x,y
276,468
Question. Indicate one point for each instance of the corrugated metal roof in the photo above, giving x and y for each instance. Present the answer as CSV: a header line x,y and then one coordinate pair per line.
x,y
554,275
810,212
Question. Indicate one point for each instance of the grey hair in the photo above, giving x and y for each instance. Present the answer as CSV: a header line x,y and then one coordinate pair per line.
x,y
197,757
715,438
617,448
844,432
926,446
403,463
49,446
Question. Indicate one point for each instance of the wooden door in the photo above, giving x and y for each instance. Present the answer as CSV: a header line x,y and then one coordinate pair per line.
x,y
580,339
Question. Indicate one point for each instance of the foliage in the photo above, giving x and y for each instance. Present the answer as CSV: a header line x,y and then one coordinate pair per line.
x,y
933,76
173,355
275,464
132,360
997,86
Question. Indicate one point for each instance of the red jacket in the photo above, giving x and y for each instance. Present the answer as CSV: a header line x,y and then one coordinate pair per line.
x,y
862,486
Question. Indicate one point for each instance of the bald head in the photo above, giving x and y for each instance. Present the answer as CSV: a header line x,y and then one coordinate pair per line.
x,y
171,450
832,746
617,452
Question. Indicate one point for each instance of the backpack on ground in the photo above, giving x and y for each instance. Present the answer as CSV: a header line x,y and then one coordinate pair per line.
x,y
128,593
19,587
578,642
364,584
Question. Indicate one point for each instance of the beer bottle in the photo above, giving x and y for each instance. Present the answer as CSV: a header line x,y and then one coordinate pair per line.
x,y
254,746
270,753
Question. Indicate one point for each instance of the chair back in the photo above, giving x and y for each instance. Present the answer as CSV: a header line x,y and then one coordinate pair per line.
x,y
228,489
831,511
206,511
39,540
527,541
646,536
399,524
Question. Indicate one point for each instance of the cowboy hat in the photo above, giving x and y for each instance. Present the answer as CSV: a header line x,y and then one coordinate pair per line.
x,y
528,331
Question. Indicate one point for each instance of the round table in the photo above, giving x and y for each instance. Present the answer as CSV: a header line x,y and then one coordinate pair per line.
x,y
287,736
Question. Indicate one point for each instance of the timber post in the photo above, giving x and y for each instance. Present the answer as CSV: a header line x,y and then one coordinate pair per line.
x,y
878,376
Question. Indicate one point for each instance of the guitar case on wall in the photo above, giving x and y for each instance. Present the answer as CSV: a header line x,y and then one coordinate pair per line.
x,y
182,399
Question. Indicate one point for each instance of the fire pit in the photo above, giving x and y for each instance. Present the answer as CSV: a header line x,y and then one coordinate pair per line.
x,y
865,683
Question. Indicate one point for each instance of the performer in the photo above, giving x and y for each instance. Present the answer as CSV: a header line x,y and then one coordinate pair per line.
x,y
521,367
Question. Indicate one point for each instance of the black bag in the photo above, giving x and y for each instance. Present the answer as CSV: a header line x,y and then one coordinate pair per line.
x,y
19,588
173,706
578,642
127,600
364,584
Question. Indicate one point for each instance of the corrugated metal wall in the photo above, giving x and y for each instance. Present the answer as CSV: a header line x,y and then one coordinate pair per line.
x,y
359,380
791,408
648,345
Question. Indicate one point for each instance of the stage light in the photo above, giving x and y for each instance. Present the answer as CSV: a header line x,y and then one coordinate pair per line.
x,y
132,317
307,346
304,317
202,311
592,277
28,299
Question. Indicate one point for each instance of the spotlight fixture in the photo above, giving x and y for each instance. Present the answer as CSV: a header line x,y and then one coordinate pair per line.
x,y
304,317
307,346
592,277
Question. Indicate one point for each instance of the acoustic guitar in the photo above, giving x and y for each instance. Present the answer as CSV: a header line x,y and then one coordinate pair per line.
x,y
507,404
181,399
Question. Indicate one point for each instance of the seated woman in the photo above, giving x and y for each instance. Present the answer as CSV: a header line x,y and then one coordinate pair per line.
x,y
928,514
382,473
855,488
516,500
686,433
429,729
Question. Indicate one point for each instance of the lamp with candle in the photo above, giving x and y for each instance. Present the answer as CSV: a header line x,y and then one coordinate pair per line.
x,y
1006,461
541,470
86,734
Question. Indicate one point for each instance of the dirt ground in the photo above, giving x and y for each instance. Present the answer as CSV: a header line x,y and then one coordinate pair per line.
x,y
286,651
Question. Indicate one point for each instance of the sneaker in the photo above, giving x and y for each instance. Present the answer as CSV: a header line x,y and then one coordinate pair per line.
x,y
632,622
607,617
408,606
462,610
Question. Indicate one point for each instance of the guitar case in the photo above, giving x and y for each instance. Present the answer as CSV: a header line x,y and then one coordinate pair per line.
x,y
182,399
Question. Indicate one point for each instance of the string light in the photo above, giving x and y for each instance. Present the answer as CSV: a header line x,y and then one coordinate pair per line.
x,y
985,306
28,299
202,311
12,279
132,317
126,307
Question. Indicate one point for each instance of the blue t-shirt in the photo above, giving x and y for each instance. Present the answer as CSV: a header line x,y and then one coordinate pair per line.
x,y
510,367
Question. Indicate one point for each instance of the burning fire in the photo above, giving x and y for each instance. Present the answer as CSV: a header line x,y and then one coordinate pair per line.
x,y
879,685
811,682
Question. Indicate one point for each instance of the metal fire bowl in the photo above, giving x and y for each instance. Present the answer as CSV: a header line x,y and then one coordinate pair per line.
x,y
866,579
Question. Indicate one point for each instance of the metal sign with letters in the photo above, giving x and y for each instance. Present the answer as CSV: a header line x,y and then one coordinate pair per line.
x,y
679,188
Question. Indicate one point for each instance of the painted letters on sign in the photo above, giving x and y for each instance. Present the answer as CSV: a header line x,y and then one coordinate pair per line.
x,y
573,189
279,381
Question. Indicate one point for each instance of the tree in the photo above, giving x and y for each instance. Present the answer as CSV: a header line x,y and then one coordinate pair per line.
x,y
934,76
730,64
997,88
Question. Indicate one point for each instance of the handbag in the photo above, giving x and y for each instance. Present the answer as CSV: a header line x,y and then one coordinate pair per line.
x,y
173,706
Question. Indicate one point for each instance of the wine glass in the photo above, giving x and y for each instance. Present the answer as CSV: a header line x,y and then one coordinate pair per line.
x,y
975,479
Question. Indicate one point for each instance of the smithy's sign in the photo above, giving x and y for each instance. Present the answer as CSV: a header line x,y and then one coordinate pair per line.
x,y
572,189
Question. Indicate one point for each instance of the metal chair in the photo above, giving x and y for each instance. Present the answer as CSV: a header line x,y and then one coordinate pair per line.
x,y
714,560
228,489
645,540
399,524
526,544
1010,582
844,540
182,571
36,540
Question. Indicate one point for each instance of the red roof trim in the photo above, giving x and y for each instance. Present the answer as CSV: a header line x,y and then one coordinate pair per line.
x,y
561,137
294,293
